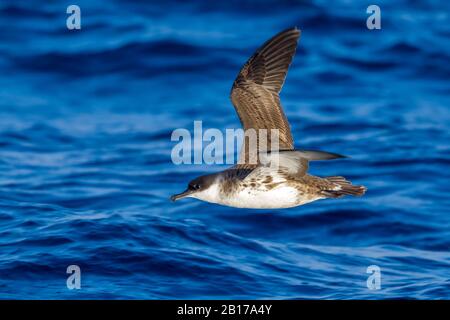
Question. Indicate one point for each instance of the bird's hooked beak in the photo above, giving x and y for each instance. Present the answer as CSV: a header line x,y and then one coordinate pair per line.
x,y
182,195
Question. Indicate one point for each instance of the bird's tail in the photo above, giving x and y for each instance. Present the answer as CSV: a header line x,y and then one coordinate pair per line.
x,y
341,187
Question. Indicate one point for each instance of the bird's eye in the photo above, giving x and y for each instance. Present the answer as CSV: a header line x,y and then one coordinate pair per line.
x,y
195,186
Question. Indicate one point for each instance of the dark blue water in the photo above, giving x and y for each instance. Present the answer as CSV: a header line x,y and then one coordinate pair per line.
x,y
85,168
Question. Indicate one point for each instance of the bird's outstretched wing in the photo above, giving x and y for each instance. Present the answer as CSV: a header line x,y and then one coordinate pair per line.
x,y
255,93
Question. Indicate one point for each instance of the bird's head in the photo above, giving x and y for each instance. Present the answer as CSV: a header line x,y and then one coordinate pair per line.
x,y
201,188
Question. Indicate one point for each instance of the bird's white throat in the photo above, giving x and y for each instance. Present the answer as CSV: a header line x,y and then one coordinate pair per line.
x,y
211,194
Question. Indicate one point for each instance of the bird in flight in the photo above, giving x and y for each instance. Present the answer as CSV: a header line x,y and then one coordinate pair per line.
x,y
274,176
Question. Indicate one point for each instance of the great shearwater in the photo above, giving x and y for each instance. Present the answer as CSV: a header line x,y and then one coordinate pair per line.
x,y
260,184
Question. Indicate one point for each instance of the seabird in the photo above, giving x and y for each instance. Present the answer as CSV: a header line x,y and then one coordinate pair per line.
x,y
259,183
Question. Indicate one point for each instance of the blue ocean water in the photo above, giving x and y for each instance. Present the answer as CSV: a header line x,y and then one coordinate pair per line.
x,y
85,169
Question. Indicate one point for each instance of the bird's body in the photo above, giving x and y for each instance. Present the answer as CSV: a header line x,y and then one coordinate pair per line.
x,y
274,175
261,189
265,187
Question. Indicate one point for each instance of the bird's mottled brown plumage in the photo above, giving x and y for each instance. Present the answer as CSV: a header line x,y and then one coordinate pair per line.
x,y
255,96
255,92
